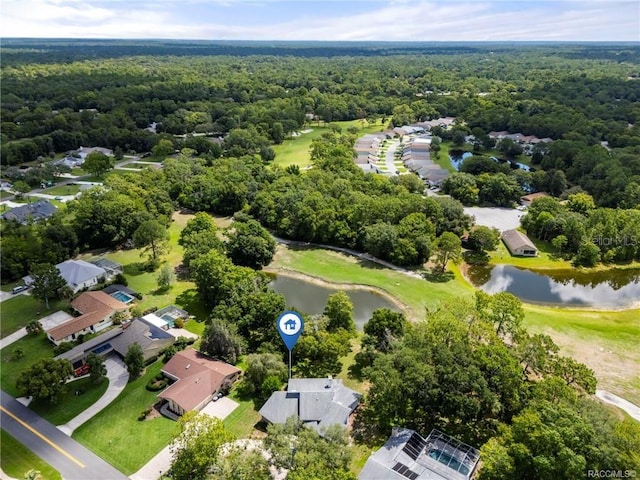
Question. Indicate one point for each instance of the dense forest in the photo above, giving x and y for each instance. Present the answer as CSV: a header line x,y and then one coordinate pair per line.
x,y
580,96
471,368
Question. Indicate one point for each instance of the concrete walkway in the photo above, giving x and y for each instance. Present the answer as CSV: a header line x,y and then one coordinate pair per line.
x,y
610,398
162,461
390,157
118,377
14,337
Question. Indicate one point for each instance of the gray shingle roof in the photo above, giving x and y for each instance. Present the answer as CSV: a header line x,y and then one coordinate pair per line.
x,y
319,402
37,211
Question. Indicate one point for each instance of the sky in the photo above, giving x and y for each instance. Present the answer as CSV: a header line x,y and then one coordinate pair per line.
x,y
335,20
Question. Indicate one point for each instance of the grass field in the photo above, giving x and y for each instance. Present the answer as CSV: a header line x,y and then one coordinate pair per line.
x,y
606,341
16,460
546,259
21,309
181,293
69,404
62,190
295,150
33,349
115,433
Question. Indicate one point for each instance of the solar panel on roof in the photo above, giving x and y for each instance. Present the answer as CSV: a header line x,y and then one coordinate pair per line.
x,y
405,471
414,446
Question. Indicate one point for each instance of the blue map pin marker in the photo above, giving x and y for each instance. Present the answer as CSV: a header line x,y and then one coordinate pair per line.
x,y
290,325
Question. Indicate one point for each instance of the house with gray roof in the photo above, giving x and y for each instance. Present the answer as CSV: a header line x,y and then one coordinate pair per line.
x,y
40,210
407,455
519,244
317,402
80,274
151,339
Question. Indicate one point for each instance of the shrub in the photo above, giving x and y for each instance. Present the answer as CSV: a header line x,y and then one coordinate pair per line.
x,y
156,385
179,323
120,279
150,360
63,347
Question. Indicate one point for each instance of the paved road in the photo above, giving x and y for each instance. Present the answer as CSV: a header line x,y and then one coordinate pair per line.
x,y
72,460
390,157
610,398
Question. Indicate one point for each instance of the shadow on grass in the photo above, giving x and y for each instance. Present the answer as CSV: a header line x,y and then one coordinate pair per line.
x,y
136,268
191,302
438,276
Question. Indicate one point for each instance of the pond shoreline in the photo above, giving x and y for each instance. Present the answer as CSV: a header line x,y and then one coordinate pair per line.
x,y
286,272
464,271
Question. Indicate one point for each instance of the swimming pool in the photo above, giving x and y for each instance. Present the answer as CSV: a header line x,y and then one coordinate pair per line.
x,y
123,297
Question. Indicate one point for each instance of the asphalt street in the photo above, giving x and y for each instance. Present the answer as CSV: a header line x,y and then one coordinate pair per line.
x,y
72,460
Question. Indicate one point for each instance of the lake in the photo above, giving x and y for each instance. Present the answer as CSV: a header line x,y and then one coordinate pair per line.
x,y
615,288
311,298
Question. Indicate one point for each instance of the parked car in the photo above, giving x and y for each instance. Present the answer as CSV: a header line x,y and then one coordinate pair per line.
x,y
19,288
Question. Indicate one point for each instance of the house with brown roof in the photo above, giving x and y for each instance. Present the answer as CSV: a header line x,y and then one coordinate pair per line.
x,y
196,379
96,313
527,200
519,244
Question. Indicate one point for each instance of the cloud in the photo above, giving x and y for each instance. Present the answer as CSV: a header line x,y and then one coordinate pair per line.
x,y
391,20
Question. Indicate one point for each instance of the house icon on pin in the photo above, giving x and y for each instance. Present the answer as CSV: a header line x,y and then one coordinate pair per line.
x,y
290,324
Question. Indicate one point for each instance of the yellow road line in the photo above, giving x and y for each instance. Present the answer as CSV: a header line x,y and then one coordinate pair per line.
x,y
42,437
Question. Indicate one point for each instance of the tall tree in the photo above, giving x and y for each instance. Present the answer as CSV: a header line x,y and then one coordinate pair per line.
x,y
97,367
448,247
339,311
249,244
221,340
153,238
97,163
48,283
196,445
134,360
45,379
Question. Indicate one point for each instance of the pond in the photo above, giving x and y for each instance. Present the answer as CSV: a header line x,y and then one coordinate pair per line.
x,y
312,298
615,288
456,157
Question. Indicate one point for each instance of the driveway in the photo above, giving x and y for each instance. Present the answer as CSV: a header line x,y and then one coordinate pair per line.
x,y
55,319
500,218
221,408
390,157
118,377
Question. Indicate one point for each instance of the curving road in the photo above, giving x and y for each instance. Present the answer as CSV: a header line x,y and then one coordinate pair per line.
x,y
72,460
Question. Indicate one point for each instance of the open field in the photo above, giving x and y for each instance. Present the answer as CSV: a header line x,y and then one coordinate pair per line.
x,y
33,348
606,341
16,460
115,433
295,150
70,405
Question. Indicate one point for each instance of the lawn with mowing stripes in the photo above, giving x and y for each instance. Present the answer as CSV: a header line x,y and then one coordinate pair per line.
x,y
16,460
116,435
33,349
21,309
69,405
242,420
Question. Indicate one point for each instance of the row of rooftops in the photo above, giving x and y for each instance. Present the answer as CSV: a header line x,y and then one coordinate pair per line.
x,y
519,137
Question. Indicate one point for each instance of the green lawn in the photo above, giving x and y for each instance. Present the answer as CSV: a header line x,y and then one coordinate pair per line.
x,y
295,150
62,190
547,258
70,404
181,293
33,348
4,194
16,460
21,309
242,420
115,433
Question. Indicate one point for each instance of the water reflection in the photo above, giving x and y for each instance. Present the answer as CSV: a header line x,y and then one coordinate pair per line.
x,y
311,298
609,289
